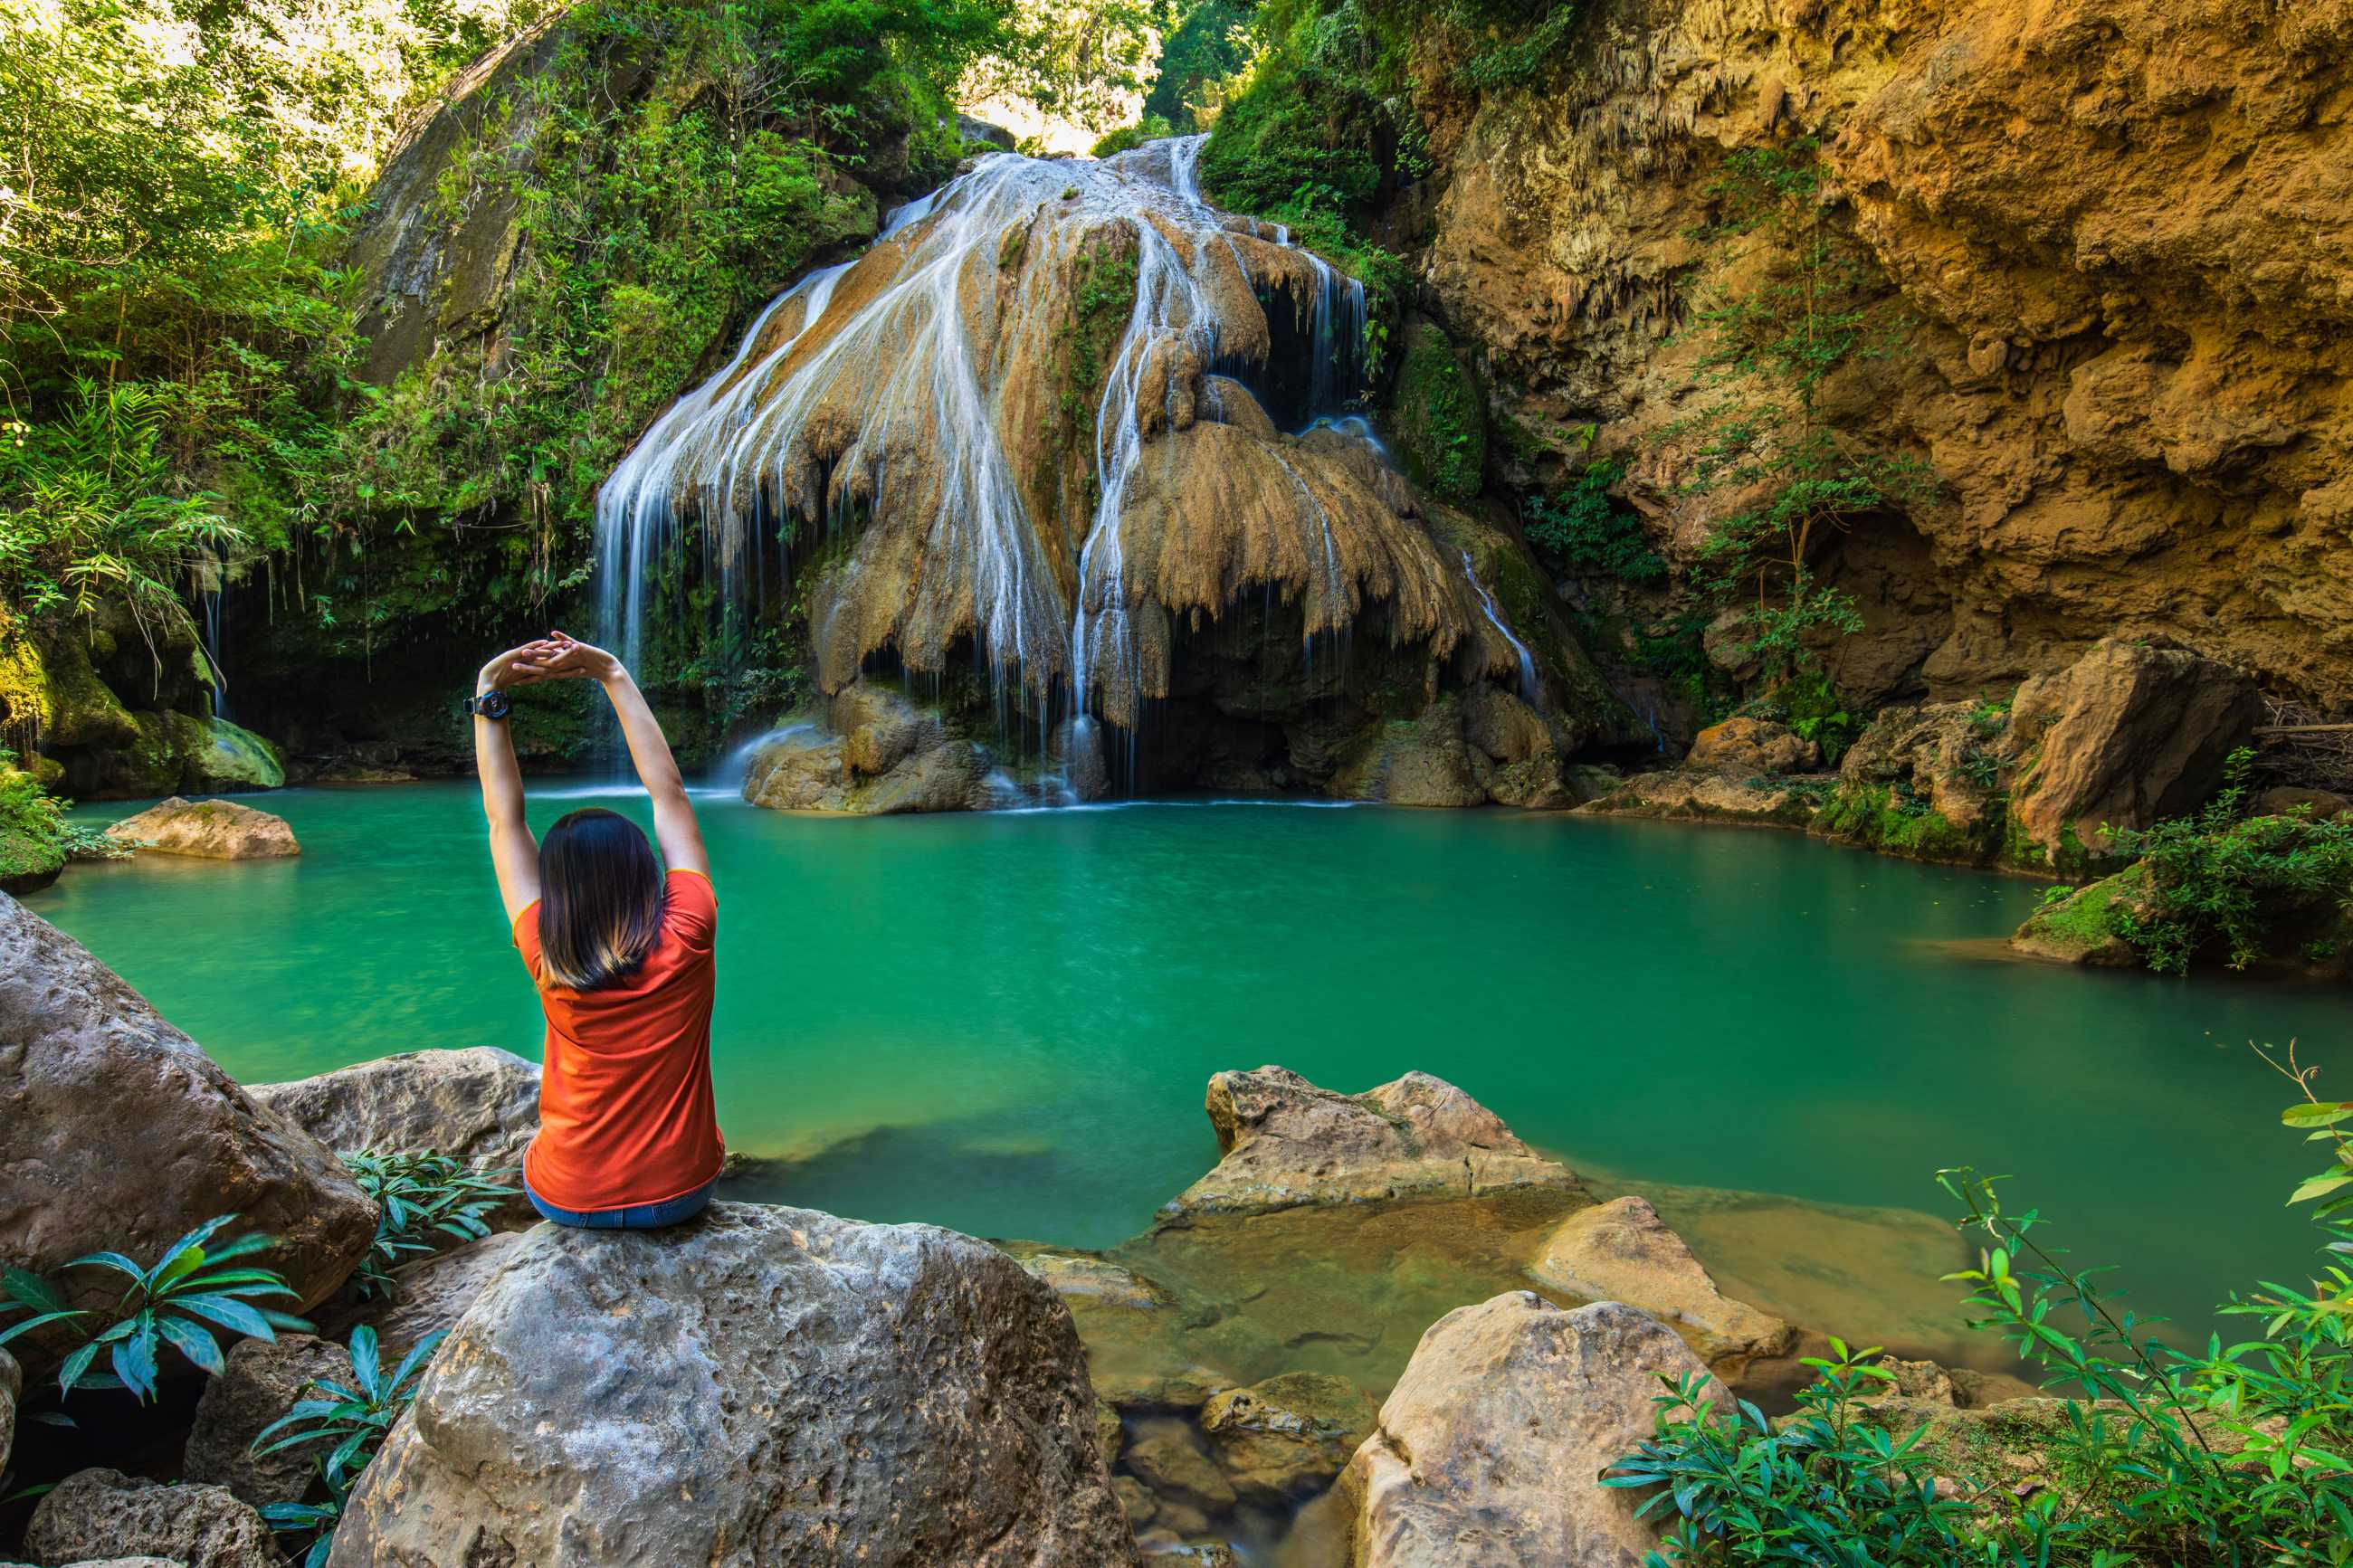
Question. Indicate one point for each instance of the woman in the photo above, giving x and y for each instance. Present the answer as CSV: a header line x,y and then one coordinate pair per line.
x,y
628,1138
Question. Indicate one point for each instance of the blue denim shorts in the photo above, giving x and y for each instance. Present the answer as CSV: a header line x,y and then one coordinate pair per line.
x,y
642,1217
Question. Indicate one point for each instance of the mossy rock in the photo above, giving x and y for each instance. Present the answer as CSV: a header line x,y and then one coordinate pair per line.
x,y
2085,927
50,693
1438,415
225,756
28,863
1874,816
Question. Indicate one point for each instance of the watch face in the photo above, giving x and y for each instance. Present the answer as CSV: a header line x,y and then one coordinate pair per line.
x,y
491,705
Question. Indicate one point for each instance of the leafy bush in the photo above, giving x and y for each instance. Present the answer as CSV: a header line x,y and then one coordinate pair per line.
x,y
34,827
1208,45
1586,532
168,1303
355,1418
1151,128
2237,1454
420,1196
2217,880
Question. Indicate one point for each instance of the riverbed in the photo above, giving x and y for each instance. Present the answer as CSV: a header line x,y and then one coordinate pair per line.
x,y
1004,1022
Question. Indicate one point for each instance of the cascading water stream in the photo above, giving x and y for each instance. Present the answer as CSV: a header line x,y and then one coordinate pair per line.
x,y
1528,690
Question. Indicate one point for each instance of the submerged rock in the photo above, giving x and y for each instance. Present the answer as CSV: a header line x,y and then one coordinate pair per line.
x,y
1287,1142
1622,1251
122,1133
101,1513
1287,1435
480,1104
1490,1449
208,830
761,1385
1167,1452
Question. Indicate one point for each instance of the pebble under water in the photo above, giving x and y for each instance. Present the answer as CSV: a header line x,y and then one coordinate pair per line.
x,y
1003,1023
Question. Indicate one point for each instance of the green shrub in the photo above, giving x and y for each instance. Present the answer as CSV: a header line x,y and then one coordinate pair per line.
x,y
1151,128
175,1301
424,1202
1208,45
2238,1454
1586,532
2218,880
355,1418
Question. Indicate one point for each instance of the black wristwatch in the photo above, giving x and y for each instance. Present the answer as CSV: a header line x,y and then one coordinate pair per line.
x,y
490,704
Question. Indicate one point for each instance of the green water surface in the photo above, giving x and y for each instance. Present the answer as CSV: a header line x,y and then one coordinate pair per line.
x,y
1003,1023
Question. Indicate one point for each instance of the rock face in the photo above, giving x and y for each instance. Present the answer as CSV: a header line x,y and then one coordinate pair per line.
x,y
1488,1451
122,1133
827,1392
1289,1433
208,831
2125,735
481,1105
107,1514
1753,746
1285,1143
2114,227
426,1296
260,1383
12,1384
1622,1251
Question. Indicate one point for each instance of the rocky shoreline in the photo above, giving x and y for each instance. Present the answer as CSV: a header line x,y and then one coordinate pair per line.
x,y
774,1384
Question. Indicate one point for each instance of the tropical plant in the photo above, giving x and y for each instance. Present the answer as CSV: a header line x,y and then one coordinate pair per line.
x,y
1584,529
169,1302
355,1418
421,1195
2221,879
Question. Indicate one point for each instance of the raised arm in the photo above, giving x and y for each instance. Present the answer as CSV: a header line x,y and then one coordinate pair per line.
x,y
675,828
515,853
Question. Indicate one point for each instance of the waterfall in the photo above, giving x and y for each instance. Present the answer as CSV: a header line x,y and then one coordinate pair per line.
x,y
906,404
1496,620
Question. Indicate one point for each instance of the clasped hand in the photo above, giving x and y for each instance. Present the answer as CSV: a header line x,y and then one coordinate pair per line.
x,y
556,657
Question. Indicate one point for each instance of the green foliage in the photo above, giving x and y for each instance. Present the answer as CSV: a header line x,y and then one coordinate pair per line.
x,y
2221,880
355,1418
1439,417
178,1302
1586,532
424,1201
1815,711
1894,819
33,821
1151,128
1517,42
1770,348
2236,1454
1829,1487
1208,45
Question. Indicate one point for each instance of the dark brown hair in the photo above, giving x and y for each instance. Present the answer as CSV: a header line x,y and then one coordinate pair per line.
x,y
600,900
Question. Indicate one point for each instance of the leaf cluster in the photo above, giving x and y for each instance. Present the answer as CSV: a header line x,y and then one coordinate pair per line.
x,y
424,1201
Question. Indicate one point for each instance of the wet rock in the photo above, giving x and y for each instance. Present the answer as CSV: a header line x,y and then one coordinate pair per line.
x,y
2129,733
1285,1143
1135,1500
2085,926
232,758
122,1133
1488,1449
1111,1433
480,1105
1095,1280
1753,746
1288,1435
1707,797
1423,761
260,1383
1162,1387
883,756
102,1513
1166,1454
1622,1251
829,1392
208,830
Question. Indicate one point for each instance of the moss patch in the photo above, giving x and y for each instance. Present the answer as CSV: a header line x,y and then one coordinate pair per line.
x,y
1438,415
1893,823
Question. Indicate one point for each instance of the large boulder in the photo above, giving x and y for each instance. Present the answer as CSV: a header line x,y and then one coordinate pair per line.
x,y
425,1297
208,830
260,1383
881,755
121,1134
480,1104
1490,1449
761,1385
1753,746
1287,1142
1291,1434
107,1514
2127,734
1622,1251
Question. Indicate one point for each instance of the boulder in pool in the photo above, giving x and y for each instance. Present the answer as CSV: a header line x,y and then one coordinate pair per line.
x,y
1285,1143
881,755
105,1514
480,1104
1288,1435
1490,1449
208,830
121,1134
768,1386
1622,1251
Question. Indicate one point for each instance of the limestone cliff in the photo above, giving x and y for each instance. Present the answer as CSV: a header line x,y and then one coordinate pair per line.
x,y
2111,236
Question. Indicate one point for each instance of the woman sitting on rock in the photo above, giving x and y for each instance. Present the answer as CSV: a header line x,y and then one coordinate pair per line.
x,y
628,1138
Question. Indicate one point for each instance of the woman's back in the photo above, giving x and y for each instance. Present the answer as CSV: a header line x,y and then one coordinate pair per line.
x,y
626,1110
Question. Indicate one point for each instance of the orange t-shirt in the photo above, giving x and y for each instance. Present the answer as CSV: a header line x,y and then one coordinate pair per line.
x,y
625,1109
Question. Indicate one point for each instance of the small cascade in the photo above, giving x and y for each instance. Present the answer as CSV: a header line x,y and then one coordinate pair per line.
x,y
212,581
1528,689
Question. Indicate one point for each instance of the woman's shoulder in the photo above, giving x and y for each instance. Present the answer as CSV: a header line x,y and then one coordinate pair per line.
x,y
692,907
